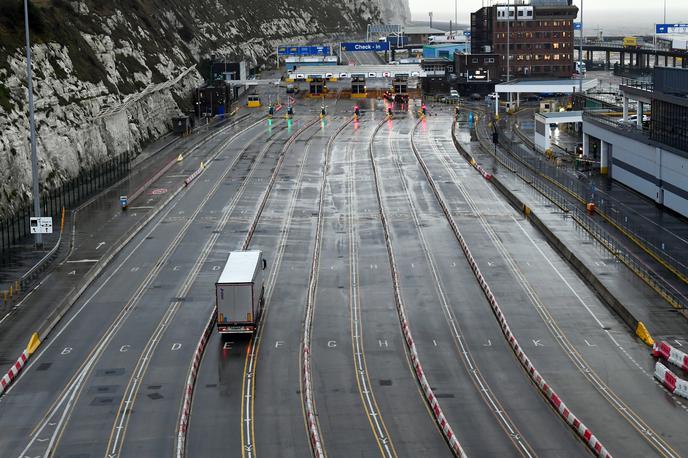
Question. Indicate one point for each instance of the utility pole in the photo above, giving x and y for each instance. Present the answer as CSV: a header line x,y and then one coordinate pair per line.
x,y
580,54
430,14
32,128
456,14
665,11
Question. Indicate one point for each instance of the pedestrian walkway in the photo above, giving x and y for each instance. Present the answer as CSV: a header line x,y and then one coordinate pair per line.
x,y
636,296
659,232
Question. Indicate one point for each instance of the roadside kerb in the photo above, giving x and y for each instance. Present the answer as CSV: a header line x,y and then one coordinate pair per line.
x,y
567,415
430,397
312,425
612,245
630,235
54,318
635,325
190,383
186,405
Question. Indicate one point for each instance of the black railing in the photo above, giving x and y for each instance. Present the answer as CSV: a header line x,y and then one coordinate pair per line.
x,y
15,225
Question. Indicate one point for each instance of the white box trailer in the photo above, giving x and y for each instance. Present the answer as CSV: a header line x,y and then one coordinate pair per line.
x,y
239,292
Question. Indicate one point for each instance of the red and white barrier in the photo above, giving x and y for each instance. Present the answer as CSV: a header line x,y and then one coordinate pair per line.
x,y
190,382
13,371
673,355
194,175
670,381
430,397
568,416
483,172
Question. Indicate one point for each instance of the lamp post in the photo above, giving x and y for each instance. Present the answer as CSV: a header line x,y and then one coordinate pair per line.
x,y
32,128
430,14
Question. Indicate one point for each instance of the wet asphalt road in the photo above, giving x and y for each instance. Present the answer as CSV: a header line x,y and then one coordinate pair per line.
x,y
110,380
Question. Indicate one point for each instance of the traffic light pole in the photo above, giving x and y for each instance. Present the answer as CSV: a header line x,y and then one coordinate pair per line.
x,y
32,128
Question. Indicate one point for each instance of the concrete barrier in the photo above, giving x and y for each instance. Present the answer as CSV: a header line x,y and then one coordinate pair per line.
x,y
545,388
190,383
635,325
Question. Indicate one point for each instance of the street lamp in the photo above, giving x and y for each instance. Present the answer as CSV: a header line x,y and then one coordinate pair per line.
x,y
32,128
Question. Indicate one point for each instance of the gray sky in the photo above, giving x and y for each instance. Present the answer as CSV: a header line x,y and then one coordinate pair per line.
x,y
637,15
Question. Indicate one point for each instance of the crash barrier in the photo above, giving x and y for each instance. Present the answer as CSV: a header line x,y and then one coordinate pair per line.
x,y
18,365
673,355
430,397
309,405
583,431
190,383
595,231
670,381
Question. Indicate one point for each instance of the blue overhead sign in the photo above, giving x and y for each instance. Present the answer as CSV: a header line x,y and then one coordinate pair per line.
x,y
372,46
577,26
671,28
303,50
466,33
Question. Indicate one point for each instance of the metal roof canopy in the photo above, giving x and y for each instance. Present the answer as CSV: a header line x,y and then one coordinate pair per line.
x,y
545,86
365,71
252,82
560,117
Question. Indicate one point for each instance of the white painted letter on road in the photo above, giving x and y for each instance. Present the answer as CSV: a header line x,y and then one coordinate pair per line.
x,y
279,343
124,348
331,343
537,343
176,346
66,351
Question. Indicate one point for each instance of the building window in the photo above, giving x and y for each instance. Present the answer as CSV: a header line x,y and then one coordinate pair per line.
x,y
474,60
555,45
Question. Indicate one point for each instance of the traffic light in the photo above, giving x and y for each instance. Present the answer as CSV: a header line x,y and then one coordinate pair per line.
x,y
389,112
271,110
322,111
456,113
357,112
424,109
290,111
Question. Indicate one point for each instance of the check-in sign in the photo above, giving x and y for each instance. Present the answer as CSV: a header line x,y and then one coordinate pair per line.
x,y
366,46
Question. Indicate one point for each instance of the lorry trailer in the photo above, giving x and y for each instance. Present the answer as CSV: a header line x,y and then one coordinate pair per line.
x,y
240,292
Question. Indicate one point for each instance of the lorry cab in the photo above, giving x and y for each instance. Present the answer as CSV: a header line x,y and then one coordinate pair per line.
x,y
240,292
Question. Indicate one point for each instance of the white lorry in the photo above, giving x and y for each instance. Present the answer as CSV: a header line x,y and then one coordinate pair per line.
x,y
239,292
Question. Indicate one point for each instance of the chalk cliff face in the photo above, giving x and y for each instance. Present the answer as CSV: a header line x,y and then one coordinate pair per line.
x,y
109,75
395,11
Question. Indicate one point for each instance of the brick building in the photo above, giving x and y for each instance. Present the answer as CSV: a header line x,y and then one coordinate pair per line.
x,y
541,36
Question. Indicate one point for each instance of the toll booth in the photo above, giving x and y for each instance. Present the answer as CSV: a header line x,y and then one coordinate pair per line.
x,y
358,87
316,86
400,85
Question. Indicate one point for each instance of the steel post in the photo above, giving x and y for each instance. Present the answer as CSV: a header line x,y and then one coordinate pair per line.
x,y
32,127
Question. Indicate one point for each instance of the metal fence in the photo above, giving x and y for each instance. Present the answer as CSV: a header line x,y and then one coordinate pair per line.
x,y
537,175
16,225
664,244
